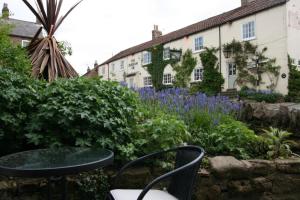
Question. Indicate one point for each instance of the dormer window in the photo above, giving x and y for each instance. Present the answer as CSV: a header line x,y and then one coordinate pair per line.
x,y
25,43
166,54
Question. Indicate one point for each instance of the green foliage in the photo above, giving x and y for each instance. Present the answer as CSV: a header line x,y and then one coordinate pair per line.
x,y
230,137
12,56
162,131
260,96
279,146
185,69
65,48
157,66
93,185
212,78
83,112
242,53
294,82
19,97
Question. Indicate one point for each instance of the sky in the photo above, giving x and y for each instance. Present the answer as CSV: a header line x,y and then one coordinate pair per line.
x,y
99,29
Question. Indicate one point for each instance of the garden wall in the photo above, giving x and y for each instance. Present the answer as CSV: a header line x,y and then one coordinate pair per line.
x,y
281,115
226,179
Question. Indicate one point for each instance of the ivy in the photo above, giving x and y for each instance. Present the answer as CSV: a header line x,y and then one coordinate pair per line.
x,y
157,66
184,70
212,78
242,54
294,82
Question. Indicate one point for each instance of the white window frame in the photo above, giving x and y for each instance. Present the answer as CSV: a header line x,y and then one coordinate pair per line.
x,y
197,45
147,58
249,31
147,81
198,74
168,79
167,56
25,43
122,65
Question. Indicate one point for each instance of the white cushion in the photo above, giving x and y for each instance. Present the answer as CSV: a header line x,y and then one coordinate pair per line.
x,y
134,194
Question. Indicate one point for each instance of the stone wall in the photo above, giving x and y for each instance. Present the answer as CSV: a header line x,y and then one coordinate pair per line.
x,y
226,179
232,179
283,115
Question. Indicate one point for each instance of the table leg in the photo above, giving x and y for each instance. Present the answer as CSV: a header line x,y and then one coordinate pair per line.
x,y
49,187
65,188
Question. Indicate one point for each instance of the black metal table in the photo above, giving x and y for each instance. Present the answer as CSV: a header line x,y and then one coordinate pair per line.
x,y
50,163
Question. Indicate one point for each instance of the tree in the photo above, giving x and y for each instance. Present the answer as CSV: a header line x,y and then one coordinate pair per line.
x,y
212,78
48,61
185,69
65,48
294,82
12,56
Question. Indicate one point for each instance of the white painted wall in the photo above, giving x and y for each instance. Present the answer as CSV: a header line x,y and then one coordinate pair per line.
x,y
272,31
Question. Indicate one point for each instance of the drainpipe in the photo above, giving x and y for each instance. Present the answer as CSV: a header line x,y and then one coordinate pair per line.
x,y
108,72
220,49
220,53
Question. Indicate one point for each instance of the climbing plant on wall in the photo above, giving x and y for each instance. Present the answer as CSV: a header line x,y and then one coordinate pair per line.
x,y
252,64
157,66
212,78
184,69
294,82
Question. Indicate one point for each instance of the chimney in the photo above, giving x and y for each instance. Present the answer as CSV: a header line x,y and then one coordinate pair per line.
x,y
246,2
5,11
156,33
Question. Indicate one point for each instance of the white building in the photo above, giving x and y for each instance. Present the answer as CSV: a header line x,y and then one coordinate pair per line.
x,y
274,24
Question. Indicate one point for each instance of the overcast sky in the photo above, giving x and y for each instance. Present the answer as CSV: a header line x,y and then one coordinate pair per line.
x,y
98,29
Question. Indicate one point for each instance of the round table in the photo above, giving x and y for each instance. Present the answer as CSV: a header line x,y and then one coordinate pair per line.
x,y
56,162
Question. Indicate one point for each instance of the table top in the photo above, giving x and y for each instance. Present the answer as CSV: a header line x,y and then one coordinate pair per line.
x,y
54,162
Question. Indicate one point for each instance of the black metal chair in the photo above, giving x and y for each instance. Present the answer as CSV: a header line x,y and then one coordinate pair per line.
x,y
182,178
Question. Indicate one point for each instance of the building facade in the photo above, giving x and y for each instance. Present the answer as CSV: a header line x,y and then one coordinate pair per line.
x,y
274,24
22,32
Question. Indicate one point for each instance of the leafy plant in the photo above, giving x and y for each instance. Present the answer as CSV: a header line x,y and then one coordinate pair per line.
x,y
157,66
83,112
294,82
279,144
65,48
212,78
245,54
93,185
19,97
231,137
260,96
162,132
185,69
11,55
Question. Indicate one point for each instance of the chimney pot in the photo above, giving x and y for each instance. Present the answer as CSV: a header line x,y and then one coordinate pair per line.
x,y
246,2
156,33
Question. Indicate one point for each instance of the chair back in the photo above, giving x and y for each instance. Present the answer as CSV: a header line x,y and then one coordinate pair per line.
x,y
182,184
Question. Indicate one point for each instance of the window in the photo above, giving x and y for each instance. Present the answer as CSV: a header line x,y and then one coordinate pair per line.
x,y
147,58
103,70
232,69
122,65
113,68
25,43
168,79
198,74
166,54
198,43
249,31
148,81
131,83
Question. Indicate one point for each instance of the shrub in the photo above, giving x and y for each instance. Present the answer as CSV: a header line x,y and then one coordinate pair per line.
x,y
19,96
161,132
83,112
12,56
294,82
231,137
260,96
212,78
